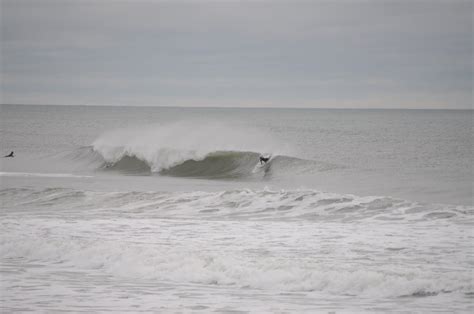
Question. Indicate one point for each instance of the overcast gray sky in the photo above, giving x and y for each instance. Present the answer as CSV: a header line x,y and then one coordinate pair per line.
x,y
333,54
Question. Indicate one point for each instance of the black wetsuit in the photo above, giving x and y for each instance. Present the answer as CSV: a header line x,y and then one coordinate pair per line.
x,y
263,159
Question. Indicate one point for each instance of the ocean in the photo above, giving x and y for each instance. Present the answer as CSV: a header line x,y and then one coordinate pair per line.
x,y
166,210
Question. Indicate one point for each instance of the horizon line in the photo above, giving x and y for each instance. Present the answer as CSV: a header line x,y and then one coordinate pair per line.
x,y
231,107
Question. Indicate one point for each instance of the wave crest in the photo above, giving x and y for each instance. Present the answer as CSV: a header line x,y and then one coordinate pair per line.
x,y
165,146
220,165
190,150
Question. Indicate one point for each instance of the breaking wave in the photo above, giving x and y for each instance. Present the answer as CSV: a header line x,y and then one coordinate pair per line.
x,y
219,165
244,238
191,150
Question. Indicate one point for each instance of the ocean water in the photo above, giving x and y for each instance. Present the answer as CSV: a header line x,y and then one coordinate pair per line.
x,y
163,210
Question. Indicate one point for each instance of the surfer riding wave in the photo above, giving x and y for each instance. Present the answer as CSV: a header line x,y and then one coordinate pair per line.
x,y
263,159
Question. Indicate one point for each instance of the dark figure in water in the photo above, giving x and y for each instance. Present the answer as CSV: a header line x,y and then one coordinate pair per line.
x,y
264,160
10,155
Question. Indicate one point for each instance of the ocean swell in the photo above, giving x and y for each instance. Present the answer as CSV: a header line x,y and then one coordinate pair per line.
x,y
189,150
266,204
164,146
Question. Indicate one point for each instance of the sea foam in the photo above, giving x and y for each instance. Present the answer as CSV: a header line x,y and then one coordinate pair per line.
x,y
165,146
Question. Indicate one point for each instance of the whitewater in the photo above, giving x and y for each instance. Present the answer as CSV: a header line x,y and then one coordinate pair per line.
x,y
167,210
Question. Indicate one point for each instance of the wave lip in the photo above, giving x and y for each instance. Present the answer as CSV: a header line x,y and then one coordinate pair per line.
x,y
194,150
165,146
219,165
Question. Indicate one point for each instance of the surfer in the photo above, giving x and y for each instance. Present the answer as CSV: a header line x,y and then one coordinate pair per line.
x,y
264,160
10,155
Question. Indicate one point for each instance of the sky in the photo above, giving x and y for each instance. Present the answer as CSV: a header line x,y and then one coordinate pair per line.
x,y
321,54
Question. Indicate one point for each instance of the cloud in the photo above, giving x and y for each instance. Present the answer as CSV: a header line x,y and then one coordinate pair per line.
x,y
318,53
